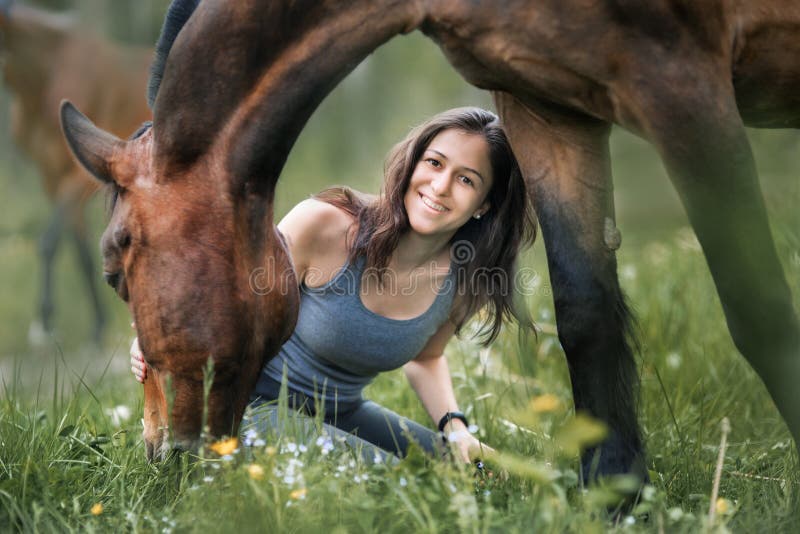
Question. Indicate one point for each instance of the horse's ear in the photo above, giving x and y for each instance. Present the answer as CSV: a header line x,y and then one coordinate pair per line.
x,y
93,147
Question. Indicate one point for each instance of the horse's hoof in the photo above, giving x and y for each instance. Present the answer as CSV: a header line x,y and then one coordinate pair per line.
x,y
37,335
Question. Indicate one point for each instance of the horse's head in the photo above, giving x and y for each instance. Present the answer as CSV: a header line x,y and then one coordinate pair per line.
x,y
191,231
182,249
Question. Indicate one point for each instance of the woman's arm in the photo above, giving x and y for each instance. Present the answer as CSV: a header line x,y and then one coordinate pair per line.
x,y
429,376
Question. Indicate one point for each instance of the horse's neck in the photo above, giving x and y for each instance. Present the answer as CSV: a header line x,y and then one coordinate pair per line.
x,y
283,59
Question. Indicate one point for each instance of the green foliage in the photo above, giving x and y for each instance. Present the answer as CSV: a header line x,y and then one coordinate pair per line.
x,y
61,456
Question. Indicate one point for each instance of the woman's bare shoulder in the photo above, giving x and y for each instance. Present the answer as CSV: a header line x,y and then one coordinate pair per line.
x,y
315,230
311,212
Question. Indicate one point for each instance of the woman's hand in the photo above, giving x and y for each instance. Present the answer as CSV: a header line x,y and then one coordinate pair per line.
x,y
467,446
138,367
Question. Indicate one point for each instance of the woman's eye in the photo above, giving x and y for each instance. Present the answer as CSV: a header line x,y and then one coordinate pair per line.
x,y
466,180
434,162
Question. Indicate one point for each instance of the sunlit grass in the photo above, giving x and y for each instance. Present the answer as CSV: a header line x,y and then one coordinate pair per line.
x,y
70,460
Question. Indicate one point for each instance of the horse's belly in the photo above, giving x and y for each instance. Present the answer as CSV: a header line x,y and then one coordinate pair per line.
x,y
766,71
524,49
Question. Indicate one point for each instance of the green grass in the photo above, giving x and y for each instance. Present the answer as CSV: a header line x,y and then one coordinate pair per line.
x,y
61,453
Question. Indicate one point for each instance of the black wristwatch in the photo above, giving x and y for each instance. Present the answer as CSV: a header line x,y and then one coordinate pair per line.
x,y
449,416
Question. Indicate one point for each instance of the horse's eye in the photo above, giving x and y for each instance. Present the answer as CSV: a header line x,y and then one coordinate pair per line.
x,y
122,237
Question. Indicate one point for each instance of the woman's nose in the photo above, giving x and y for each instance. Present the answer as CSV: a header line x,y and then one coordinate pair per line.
x,y
440,184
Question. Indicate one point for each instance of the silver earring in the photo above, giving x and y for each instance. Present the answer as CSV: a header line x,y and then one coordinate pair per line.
x,y
477,215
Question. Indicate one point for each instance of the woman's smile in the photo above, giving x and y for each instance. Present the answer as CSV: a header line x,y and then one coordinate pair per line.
x,y
449,184
433,205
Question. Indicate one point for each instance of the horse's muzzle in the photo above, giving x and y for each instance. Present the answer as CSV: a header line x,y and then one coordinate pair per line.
x,y
112,279
117,282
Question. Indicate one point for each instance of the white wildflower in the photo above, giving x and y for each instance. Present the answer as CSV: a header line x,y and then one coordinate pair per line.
x,y
466,510
628,272
249,437
675,514
118,414
325,444
674,360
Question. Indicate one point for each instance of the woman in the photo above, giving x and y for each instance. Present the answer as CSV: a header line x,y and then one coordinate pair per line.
x,y
387,281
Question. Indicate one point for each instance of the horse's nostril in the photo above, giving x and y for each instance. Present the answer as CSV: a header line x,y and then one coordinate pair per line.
x,y
112,279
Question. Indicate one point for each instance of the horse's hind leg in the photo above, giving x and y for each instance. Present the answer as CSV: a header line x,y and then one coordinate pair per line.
x,y
565,160
48,246
90,276
705,148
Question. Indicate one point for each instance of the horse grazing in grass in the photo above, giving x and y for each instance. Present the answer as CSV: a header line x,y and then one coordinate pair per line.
x,y
45,57
194,216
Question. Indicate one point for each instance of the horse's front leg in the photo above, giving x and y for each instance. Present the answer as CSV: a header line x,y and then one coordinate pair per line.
x,y
565,160
701,138
156,420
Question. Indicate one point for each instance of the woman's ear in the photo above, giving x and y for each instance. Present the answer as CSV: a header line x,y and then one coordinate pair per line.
x,y
480,212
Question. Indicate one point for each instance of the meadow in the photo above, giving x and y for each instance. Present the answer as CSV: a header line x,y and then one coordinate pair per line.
x,y
72,458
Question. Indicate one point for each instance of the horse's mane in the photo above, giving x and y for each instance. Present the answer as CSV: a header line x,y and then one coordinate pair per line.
x,y
177,15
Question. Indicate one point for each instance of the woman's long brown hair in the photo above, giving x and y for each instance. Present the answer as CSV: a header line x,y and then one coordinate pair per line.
x,y
484,251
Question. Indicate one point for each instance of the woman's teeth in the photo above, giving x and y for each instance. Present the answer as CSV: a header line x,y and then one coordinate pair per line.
x,y
433,205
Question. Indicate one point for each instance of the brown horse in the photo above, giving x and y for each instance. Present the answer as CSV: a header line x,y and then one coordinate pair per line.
x,y
45,57
195,210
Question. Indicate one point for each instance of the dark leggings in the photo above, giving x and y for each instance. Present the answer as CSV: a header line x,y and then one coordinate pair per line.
x,y
365,419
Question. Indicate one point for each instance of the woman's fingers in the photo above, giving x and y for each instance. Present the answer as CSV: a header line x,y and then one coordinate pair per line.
x,y
138,367
468,448
481,451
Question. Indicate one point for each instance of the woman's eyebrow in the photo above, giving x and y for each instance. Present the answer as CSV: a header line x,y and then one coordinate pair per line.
x,y
470,169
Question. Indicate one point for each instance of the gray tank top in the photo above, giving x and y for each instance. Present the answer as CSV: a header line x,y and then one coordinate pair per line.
x,y
339,346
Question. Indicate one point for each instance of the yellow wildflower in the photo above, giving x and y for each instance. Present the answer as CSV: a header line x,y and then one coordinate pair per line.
x,y
723,506
97,509
545,403
298,494
255,471
225,446
270,451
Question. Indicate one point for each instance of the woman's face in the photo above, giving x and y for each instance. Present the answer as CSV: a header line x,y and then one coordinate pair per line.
x,y
450,183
